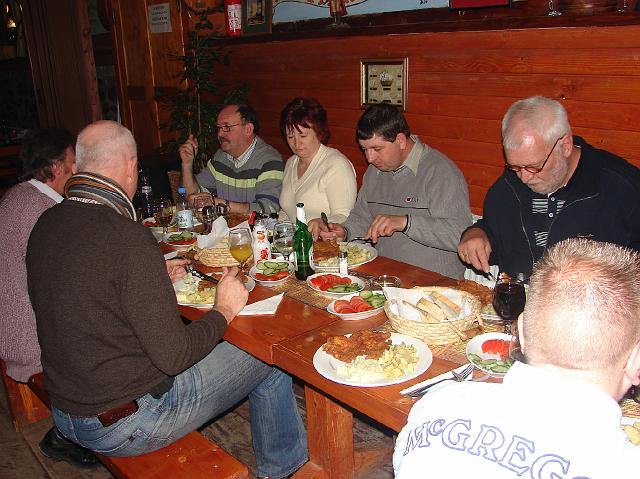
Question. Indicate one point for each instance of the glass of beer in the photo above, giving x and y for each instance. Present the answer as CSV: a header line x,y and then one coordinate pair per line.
x,y
240,245
163,213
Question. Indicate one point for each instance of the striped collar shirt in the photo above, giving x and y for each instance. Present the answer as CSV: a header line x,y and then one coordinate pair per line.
x,y
244,157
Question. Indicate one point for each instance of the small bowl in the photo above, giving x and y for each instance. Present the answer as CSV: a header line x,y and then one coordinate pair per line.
x,y
354,279
385,280
352,316
270,283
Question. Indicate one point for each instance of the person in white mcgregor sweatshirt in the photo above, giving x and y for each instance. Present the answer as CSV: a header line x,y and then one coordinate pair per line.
x,y
558,415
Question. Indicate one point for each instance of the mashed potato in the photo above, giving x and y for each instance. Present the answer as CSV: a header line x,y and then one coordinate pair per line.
x,y
190,293
355,255
398,360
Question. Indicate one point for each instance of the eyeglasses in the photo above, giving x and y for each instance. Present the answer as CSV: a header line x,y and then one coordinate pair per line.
x,y
534,169
225,128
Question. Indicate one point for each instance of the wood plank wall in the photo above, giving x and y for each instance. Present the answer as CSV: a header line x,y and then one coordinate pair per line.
x,y
460,85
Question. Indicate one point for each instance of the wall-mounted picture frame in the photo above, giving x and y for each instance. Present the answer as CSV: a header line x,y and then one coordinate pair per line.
x,y
457,4
384,80
256,16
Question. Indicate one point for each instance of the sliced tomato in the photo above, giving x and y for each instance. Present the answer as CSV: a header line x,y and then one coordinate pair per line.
x,y
341,303
317,282
496,346
348,311
344,281
361,308
279,276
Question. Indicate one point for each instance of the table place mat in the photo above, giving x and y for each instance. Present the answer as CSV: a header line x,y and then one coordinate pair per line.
x,y
300,291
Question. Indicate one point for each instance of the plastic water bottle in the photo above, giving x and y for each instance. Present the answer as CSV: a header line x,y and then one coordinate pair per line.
x,y
144,196
183,211
302,244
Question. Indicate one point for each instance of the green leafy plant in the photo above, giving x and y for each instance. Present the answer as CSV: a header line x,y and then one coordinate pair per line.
x,y
201,92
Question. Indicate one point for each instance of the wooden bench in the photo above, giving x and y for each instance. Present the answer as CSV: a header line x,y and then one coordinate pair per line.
x,y
191,457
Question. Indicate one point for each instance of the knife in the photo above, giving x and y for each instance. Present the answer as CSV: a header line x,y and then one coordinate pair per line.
x,y
206,277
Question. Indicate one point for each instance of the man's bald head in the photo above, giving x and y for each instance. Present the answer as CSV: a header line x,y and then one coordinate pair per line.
x,y
108,149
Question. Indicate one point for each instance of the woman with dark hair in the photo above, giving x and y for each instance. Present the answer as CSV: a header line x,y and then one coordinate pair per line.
x,y
319,176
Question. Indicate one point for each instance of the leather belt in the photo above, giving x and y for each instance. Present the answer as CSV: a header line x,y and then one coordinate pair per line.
x,y
113,415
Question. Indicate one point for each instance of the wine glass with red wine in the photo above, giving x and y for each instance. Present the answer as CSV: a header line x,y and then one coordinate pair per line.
x,y
508,300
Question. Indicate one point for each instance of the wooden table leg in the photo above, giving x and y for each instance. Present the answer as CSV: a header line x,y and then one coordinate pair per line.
x,y
330,436
331,450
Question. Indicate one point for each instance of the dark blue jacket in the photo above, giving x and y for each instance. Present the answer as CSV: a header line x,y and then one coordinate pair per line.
x,y
602,203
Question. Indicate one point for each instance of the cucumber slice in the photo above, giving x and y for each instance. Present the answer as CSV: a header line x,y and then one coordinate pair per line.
x,y
261,266
271,264
366,294
269,271
498,368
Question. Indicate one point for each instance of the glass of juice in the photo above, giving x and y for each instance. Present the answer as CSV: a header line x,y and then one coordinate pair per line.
x,y
240,245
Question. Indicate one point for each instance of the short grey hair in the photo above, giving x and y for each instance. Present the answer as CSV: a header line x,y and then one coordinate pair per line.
x,y
583,308
95,152
545,116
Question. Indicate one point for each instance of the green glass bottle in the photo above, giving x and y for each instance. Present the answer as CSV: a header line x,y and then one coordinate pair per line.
x,y
302,244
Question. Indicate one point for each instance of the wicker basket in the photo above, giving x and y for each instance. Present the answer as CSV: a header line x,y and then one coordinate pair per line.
x,y
446,332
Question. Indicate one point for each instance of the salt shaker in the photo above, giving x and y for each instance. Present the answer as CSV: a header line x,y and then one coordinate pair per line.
x,y
343,263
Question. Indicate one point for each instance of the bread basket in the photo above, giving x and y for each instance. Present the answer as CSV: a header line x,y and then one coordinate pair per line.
x,y
445,332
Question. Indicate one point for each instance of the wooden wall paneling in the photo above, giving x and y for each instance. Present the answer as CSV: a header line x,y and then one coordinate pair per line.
x,y
62,63
135,72
165,67
460,85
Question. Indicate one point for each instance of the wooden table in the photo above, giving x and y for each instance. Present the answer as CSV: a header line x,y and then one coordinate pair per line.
x,y
289,340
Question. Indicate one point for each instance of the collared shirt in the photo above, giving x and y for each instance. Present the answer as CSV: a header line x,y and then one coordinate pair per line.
x,y
47,190
244,157
413,159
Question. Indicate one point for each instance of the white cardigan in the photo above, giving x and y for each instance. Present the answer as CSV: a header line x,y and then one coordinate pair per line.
x,y
328,185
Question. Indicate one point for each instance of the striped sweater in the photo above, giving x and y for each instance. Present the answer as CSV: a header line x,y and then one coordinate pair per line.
x,y
257,182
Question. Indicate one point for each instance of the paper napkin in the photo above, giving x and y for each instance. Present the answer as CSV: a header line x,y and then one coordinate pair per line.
x,y
266,306
219,230
447,375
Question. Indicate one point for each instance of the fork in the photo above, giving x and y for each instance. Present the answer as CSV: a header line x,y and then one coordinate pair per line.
x,y
360,238
457,377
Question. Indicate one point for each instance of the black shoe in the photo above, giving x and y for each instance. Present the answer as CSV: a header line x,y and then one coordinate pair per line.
x,y
55,446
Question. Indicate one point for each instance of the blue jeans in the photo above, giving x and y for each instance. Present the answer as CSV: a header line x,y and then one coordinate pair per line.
x,y
210,387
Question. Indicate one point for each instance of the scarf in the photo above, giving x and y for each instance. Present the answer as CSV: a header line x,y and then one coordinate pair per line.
x,y
98,189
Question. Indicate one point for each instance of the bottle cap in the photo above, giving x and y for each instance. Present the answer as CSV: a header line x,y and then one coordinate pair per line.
x,y
181,190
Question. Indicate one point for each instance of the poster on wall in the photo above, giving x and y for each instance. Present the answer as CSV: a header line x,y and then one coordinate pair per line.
x,y
295,10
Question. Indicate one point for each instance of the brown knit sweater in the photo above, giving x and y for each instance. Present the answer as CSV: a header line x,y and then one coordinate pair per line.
x,y
106,312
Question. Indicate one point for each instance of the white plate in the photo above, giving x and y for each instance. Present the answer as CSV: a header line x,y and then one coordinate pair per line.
x,y
475,347
254,270
354,279
373,254
324,362
180,247
250,284
353,316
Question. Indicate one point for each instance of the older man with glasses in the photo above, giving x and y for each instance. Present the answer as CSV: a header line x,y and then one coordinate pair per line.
x,y
555,186
245,173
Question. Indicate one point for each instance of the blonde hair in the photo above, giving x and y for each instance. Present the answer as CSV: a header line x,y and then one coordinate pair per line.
x,y
546,117
583,308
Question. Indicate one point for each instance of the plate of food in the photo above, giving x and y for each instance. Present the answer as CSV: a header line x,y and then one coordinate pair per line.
x,y
489,352
631,427
271,272
370,359
324,256
181,240
195,292
335,284
357,306
200,293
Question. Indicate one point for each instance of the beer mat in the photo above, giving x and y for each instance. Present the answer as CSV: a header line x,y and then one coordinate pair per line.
x,y
630,408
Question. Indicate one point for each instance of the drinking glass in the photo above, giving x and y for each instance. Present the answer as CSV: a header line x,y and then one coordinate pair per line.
x,y
380,282
240,245
508,300
163,213
283,238
553,9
